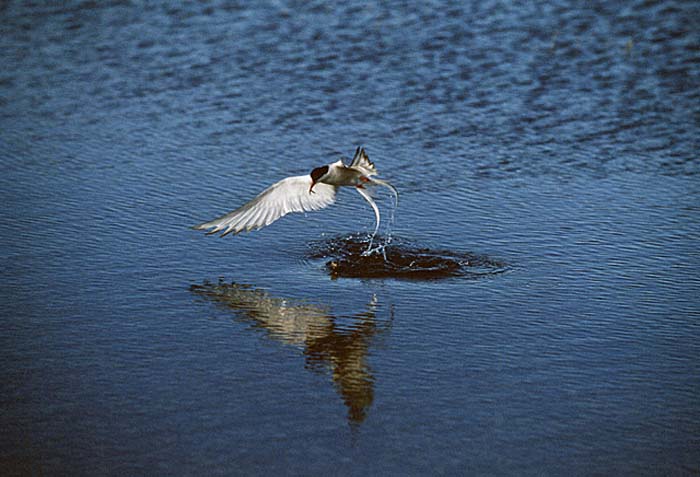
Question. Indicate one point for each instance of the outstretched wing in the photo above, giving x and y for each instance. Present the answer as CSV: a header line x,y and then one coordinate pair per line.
x,y
361,161
288,195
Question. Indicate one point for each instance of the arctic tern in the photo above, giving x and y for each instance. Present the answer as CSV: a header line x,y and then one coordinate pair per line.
x,y
302,194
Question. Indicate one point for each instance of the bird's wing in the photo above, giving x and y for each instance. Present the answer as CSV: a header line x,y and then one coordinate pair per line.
x,y
288,195
361,161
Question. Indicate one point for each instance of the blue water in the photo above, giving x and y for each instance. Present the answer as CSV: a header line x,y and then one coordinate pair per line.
x,y
560,141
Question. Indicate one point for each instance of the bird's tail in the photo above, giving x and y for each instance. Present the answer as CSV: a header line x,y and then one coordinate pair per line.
x,y
380,182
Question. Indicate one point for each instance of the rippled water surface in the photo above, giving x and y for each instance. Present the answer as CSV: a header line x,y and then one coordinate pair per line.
x,y
547,160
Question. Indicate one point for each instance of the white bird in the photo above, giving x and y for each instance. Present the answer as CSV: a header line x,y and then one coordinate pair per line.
x,y
302,194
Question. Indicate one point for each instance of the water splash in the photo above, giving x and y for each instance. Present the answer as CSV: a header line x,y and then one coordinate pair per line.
x,y
347,257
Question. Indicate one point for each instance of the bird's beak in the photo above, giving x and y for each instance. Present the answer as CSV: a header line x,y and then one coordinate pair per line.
x,y
311,188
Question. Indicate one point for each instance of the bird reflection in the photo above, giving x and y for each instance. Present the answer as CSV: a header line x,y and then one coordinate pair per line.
x,y
328,342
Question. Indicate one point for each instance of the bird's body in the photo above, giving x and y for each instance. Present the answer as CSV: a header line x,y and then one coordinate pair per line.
x,y
301,194
341,175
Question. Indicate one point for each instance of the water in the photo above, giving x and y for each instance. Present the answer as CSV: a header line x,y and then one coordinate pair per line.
x,y
559,142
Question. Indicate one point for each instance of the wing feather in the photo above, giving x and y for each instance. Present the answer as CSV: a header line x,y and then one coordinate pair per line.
x,y
361,161
286,196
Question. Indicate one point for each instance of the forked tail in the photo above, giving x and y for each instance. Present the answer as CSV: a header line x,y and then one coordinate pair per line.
x,y
374,180
371,202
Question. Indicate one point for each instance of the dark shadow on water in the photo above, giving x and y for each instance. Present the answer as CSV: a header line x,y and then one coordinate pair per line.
x,y
346,257
338,344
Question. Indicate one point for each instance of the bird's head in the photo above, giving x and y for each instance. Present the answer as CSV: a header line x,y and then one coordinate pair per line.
x,y
316,176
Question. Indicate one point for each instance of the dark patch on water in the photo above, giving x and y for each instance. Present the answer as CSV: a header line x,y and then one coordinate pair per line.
x,y
397,258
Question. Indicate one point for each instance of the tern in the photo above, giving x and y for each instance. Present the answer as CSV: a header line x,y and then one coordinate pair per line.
x,y
302,194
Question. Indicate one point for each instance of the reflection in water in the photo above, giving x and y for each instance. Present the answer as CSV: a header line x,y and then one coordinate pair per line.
x,y
328,341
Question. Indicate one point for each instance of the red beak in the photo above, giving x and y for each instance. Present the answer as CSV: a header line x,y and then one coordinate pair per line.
x,y
312,186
